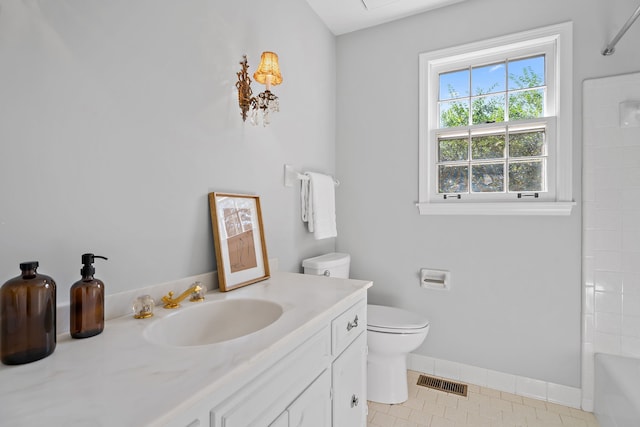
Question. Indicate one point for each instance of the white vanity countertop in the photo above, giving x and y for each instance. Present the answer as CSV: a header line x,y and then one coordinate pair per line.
x,y
118,378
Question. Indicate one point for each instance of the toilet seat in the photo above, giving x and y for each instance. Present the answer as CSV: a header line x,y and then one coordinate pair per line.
x,y
392,320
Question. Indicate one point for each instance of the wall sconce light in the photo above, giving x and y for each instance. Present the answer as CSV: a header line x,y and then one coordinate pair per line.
x,y
266,102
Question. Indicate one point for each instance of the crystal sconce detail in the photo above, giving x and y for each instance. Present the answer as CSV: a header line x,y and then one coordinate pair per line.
x,y
261,106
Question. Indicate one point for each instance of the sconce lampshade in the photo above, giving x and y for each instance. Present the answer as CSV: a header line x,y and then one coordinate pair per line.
x,y
268,68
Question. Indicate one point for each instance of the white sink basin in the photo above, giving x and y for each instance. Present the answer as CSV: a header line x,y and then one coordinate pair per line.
x,y
213,322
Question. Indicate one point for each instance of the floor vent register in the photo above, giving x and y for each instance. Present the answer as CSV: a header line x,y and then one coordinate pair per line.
x,y
443,385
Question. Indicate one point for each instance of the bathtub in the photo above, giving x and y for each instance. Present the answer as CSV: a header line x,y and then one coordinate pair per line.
x,y
617,391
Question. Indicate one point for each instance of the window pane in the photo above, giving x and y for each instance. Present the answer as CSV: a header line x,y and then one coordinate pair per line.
x,y
453,179
528,72
488,79
487,147
526,104
453,149
455,113
526,144
487,178
454,85
488,109
526,176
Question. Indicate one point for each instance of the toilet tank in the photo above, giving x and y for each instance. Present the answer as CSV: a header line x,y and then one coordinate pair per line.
x,y
334,264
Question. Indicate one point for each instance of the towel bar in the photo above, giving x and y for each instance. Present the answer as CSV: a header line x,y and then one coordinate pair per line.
x,y
291,175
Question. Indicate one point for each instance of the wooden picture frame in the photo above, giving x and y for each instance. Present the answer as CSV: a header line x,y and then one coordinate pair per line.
x,y
238,235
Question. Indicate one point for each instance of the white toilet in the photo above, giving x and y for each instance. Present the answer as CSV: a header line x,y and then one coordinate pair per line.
x,y
392,333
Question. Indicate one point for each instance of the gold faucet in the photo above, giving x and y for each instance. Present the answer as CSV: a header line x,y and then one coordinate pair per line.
x,y
196,295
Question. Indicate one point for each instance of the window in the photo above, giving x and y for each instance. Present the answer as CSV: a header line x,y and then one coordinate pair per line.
x,y
495,126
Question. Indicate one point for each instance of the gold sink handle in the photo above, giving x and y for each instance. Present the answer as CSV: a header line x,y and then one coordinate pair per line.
x,y
196,292
143,307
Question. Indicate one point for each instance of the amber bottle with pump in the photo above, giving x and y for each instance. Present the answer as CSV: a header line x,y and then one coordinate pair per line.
x,y
27,316
87,301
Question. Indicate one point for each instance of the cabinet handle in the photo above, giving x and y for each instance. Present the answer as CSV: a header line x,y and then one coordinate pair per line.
x,y
354,401
354,324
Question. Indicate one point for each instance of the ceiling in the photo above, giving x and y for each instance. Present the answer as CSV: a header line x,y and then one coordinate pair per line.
x,y
345,16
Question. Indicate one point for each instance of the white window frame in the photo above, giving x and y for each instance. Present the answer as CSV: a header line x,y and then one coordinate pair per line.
x,y
556,43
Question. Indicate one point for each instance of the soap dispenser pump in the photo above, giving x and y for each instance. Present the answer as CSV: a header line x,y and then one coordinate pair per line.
x,y
87,301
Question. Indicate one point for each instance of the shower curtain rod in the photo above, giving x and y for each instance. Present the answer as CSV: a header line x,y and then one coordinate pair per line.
x,y
611,47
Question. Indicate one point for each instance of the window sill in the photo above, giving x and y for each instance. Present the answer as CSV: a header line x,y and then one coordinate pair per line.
x,y
498,208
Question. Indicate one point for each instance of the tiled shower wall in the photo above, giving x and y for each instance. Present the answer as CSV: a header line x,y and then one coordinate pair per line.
x,y
611,225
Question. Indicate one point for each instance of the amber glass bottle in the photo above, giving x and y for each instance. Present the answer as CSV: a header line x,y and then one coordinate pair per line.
x,y
27,316
87,301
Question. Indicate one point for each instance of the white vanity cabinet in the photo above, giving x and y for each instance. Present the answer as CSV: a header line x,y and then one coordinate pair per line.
x,y
349,343
321,383
306,369
312,408
349,385
282,421
263,399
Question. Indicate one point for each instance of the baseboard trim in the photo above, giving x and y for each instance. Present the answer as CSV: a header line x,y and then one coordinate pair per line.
x,y
514,384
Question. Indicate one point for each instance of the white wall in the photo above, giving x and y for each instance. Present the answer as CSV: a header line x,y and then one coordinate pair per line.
x,y
516,297
611,254
118,117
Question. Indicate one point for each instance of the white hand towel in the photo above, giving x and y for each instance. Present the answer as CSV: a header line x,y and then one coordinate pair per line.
x,y
307,215
318,204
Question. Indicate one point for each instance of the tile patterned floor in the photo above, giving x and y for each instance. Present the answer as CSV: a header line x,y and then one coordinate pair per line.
x,y
482,407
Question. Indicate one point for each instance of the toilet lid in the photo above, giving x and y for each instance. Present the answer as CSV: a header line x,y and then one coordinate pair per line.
x,y
391,319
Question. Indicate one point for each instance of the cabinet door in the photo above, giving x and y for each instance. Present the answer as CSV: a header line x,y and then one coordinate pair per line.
x,y
349,385
264,398
281,421
313,407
